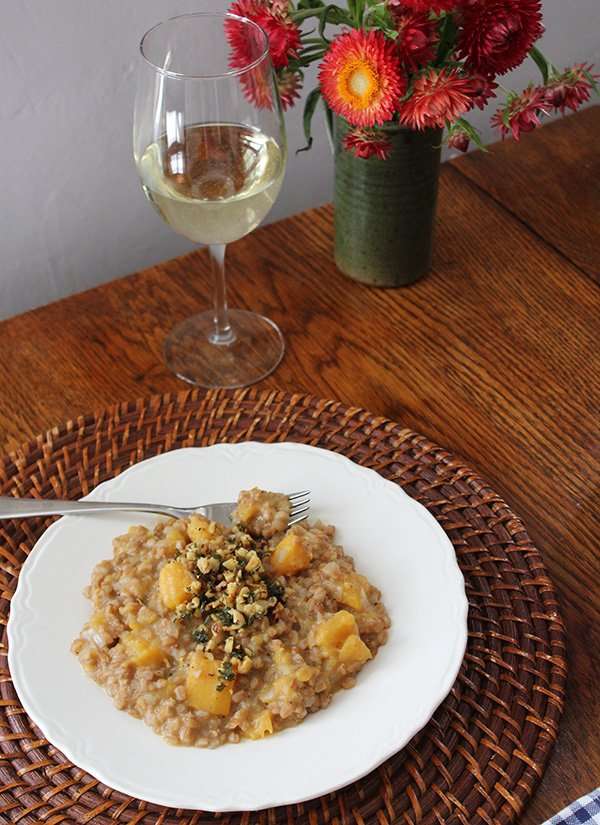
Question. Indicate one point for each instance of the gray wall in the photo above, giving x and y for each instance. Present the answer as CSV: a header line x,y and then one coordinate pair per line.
x,y
71,211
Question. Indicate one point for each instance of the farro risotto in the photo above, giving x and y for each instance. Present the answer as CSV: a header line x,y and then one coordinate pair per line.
x,y
213,634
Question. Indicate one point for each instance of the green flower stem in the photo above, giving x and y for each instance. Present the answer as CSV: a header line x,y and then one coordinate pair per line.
x,y
306,60
315,47
547,69
370,11
472,132
506,91
314,41
305,14
360,8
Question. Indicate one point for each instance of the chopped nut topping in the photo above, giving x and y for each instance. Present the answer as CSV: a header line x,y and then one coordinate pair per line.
x,y
245,666
230,591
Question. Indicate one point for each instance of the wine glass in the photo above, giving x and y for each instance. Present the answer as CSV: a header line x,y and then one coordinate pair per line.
x,y
210,149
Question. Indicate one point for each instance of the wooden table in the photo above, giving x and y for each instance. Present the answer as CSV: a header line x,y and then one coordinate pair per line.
x,y
495,355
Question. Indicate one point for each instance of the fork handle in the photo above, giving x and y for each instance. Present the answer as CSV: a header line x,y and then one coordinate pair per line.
x,y
25,507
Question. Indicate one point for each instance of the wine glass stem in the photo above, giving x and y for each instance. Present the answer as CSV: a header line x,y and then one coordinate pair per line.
x,y
222,334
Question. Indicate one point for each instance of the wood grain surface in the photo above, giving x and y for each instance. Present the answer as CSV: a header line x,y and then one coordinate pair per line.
x,y
558,201
494,355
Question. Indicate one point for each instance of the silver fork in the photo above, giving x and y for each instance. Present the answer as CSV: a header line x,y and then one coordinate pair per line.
x,y
28,507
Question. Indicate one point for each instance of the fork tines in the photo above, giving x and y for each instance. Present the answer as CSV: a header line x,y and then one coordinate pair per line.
x,y
300,505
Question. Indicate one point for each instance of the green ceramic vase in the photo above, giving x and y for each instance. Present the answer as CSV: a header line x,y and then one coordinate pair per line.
x,y
385,209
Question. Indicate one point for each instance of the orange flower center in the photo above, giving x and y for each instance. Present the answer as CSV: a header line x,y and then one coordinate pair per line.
x,y
358,84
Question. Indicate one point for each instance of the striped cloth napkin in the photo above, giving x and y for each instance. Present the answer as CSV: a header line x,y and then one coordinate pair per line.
x,y
586,810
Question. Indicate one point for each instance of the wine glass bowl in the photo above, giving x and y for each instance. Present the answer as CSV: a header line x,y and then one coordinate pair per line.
x,y
210,149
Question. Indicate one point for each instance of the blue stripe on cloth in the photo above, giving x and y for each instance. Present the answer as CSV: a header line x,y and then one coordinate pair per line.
x,y
583,810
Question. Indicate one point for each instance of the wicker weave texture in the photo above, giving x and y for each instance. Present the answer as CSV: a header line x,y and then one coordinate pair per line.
x,y
479,758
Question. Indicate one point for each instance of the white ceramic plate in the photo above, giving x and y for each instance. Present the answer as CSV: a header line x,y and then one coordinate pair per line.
x,y
394,541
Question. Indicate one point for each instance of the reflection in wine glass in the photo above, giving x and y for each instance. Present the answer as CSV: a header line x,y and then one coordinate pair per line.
x,y
210,148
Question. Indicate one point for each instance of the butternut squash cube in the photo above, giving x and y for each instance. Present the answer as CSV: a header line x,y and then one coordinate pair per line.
x,y
246,511
173,535
352,594
305,673
202,530
142,651
290,556
173,580
201,684
298,671
261,726
333,632
354,651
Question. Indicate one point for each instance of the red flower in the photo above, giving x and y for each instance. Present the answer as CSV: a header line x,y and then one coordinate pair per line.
x,y
283,33
482,89
257,88
522,112
436,6
367,143
289,85
439,96
571,88
361,78
458,139
497,34
417,38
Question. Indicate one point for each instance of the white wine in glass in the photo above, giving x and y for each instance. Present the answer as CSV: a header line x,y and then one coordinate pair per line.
x,y
235,181
209,144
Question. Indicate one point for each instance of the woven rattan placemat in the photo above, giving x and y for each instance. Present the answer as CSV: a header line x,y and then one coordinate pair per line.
x,y
479,758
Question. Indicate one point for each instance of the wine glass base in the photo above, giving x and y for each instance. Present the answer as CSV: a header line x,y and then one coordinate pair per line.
x,y
255,352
